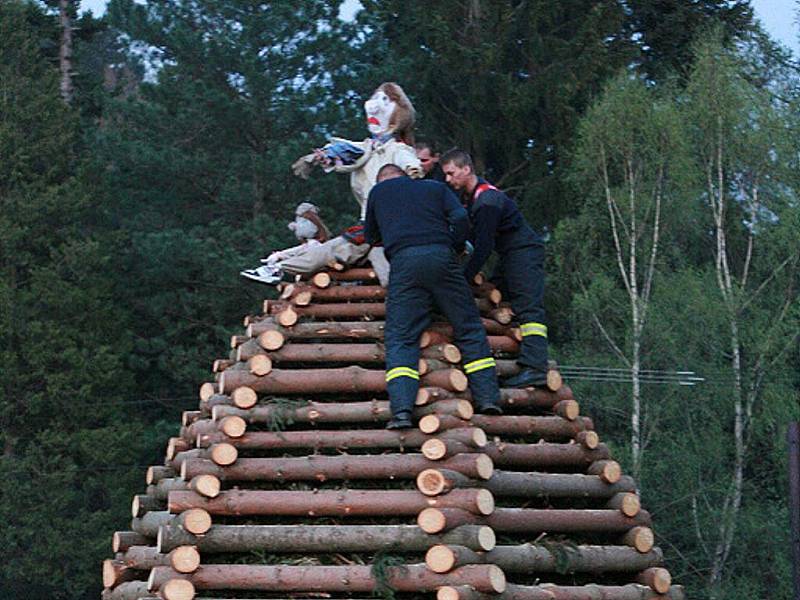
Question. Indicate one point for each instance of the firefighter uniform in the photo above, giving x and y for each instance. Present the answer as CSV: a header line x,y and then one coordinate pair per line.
x,y
497,224
420,223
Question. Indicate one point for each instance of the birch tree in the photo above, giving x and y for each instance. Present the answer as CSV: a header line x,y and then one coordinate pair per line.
x,y
628,146
742,141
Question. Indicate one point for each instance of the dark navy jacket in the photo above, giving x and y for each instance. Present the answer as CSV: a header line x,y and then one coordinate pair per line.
x,y
498,225
403,212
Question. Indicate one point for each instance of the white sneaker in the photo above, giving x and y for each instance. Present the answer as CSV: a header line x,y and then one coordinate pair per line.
x,y
266,274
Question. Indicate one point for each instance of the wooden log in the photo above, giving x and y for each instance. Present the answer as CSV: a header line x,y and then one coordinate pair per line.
x,y
142,503
344,439
132,590
322,538
568,409
588,439
656,578
173,589
640,538
532,558
320,381
288,315
220,364
321,280
182,558
551,592
349,353
313,331
608,470
375,411
530,520
190,416
122,540
344,293
510,398
323,468
315,578
238,340
556,485
440,448
491,326
545,428
156,473
160,490
344,503
626,502
233,426
206,391
116,572
196,521
206,484
354,274
433,482
176,445
543,455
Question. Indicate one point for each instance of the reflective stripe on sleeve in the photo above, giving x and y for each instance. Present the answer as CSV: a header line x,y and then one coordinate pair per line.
x,y
401,372
478,365
533,328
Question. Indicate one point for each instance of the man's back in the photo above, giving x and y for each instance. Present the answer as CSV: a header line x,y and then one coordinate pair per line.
x,y
404,212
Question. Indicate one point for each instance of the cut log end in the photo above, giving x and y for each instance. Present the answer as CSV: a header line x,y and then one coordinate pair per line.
x,y
271,340
568,409
304,298
287,317
440,559
464,410
177,589
224,454
434,449
431,520
608,470
233,426
110,570
451,353
431,482
497,579
430,424
484,502
627,503
458,380
554,381
479,438
243,397
484,467
206,485
640,538
260,365
321,280
657,579
184,559
487,540
196,521
588,439
206,391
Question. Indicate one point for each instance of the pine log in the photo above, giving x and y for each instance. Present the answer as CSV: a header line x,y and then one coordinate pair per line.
x,y
530,520
219,365
322,538
122,540
588,439
608,470
132,590
156,473
320,381
530,558
328,330
375,411
196,521
435,481
116,572
341,293
160,490
440,448
142,503
640,538
354,274
347,353
491,326
314,578
551,592
543,455
342,503
288,315
206,391
656,578
509,397
555,485
190,416
182,558
176,445
545,428
323,468
626,502
356,438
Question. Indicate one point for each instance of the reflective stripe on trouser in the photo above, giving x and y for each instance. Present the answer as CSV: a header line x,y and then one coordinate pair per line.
x,y
421,276
520,277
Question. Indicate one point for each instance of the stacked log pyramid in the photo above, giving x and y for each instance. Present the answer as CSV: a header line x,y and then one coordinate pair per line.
x,y
285,483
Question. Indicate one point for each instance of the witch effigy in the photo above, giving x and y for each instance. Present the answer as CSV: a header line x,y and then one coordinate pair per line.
x,y
390,121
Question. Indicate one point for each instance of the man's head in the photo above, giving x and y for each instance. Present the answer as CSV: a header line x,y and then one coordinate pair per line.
x,y
389,171
427,156
390,110
458,169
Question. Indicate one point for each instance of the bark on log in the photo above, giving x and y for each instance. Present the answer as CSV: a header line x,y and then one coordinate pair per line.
x,y
375,411
332,503
555,485
608,470
341,293
491,326
116,572
323,468
132,590
640,538
156,473
322,538
509,397
122,540
356,438
531,558
142,503
626,502
288,315
196,521
656,578
351,578
551,592
530,520
160,490
320,381
347,353
182,558
545,428
313,331
543,455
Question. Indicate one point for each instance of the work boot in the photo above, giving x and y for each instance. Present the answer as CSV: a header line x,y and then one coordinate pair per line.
x,y
527,377
489,409
401,420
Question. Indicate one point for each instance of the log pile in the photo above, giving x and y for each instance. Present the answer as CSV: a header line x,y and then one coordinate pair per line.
x,y
284,482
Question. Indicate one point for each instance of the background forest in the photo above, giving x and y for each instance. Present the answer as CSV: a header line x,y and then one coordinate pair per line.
x,y
145,161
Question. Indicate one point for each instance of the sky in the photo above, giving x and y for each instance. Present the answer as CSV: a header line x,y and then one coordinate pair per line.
x,y
779,17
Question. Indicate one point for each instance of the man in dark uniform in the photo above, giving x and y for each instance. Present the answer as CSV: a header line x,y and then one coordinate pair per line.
x,y
422,225
429,161
497,224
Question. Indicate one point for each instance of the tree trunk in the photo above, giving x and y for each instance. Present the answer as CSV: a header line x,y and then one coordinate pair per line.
x,y
345,503
65,51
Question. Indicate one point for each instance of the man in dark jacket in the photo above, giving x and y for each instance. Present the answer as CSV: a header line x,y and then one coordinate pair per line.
x,y
498,225
429,161
422,225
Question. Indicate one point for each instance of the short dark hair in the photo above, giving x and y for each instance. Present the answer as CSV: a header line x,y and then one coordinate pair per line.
x,y
425,146
458,157
390,169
